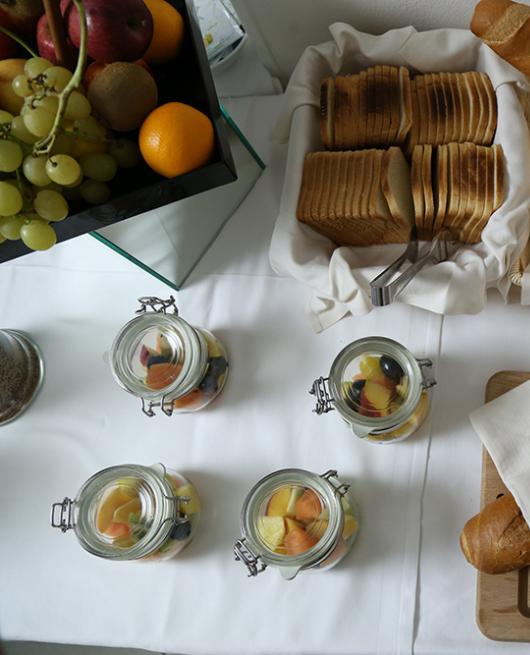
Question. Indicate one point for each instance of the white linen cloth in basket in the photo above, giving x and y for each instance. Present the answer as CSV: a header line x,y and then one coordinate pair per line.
x,y
339,277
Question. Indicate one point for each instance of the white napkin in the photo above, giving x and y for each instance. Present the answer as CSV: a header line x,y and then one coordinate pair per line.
x,y
339,277
503,426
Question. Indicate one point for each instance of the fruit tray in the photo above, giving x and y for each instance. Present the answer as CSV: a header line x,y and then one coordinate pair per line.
x,y
135,191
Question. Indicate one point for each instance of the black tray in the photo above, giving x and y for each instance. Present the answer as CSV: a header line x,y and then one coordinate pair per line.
x,y
186,79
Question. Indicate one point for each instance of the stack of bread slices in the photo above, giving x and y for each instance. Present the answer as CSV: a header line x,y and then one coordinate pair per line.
x,y
443,122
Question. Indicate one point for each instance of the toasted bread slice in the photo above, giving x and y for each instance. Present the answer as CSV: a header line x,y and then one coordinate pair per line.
x,y
396,188
499,191
365,189
423,112
342,184
475,233
450,116
395,106
341,108
440,108
452,216
372,106
359,175
353,181
476,197
363,109
350,131
417,190
462,212
432,111
327,112
429,229
474,108
376,157
483,117
426,177
457,107
491,100
405,105
413,135
307,186
464,109
442,174
388,98
337,163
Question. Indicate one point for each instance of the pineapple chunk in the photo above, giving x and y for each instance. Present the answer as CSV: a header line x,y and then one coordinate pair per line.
x,y
296,492
350,526
272,530
279,501
121,515
377,395
193,505
370,367
291,525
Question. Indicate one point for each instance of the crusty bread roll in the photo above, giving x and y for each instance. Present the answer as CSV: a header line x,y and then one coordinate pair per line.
x,y
505,27
497,539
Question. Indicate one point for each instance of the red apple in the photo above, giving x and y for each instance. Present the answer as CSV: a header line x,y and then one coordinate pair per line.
x,y
45,42
118,30
21,15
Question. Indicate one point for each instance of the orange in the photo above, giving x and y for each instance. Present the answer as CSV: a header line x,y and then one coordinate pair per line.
x,y
168,32
175,139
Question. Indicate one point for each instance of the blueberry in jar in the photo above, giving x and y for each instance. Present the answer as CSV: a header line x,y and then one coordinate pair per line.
x,y
391,369
353,394
181,531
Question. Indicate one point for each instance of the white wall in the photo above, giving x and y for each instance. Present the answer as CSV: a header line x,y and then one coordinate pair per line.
x,y
283,28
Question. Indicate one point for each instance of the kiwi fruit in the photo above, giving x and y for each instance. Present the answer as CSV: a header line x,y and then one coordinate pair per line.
x,y
122,94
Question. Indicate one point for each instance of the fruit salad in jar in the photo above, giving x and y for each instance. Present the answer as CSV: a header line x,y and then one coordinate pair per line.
x,y
125,514
378,387
160,371
295,518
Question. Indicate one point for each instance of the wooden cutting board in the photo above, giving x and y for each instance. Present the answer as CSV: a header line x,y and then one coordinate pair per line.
x,y
503,601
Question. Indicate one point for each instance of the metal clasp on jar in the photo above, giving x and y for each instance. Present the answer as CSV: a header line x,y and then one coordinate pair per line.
x,y
340,489
242,553
166,405
65,518
157,305
427,377
324,401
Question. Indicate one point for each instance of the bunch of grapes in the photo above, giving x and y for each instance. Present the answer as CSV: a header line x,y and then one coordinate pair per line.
x,y
48,160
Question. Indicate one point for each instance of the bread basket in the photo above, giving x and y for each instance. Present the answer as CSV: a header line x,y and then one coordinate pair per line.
x,y
339,278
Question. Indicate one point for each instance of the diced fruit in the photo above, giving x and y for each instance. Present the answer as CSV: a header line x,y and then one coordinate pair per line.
x,y
117,530
121,515
367,409
291,524
298,541
350,526
272,530
189,400
402,389
296,492
116,498
317,528
193,505
162,375
378,396
391,368
308,507
278,502
156,359
352,393
145,354
370,368
163,346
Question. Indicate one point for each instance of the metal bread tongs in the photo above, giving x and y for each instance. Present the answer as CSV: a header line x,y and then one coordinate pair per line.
x,y
385,289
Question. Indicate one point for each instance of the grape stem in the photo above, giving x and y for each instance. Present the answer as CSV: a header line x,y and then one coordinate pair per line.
x,y
44,145
20,42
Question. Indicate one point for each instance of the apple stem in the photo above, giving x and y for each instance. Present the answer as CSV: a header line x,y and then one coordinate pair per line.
x,y
44,145
58,34
16,38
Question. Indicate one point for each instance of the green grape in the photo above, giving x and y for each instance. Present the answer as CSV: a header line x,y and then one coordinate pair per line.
x,y
57,77
77,106
39,121
63,144
63,169
21,87
38,235
90,128
34,169
35,66
10,227
48,103
51,206
10,199
21,132
5,116
125,152
96,193
99,166
2,239
11,156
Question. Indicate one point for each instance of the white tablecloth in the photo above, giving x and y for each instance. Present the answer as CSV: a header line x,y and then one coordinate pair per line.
x,y
75,298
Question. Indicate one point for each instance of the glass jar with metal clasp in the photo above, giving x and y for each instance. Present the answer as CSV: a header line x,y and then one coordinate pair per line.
x,y
132,512
165,361
294,520
379,388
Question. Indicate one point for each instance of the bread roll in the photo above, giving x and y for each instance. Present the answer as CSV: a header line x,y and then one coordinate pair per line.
x,y
497,539
505,27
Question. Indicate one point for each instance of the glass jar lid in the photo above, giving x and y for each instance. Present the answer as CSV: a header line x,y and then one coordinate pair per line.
x,y
292,519
375,382
123,512
157,355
